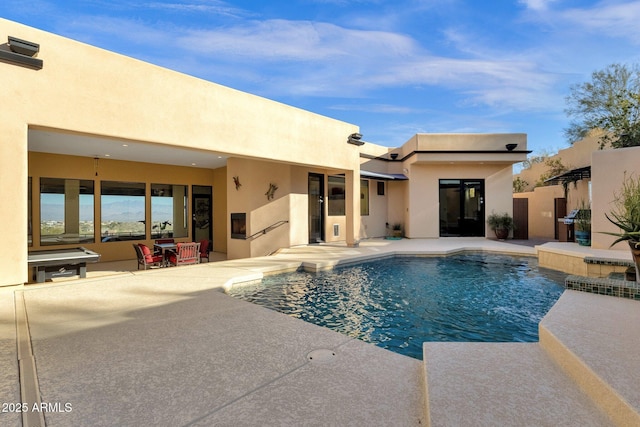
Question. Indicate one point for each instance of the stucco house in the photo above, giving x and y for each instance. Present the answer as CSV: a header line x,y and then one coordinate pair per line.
x,y
101,150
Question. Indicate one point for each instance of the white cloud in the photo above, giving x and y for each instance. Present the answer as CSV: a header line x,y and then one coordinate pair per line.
x,y
376,108
608,20
278,40
295,58
537,5
209,6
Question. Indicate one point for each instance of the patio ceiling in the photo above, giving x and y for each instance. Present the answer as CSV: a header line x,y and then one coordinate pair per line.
x,y
73,144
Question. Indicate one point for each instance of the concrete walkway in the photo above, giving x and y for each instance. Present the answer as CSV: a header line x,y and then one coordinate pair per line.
x,y
167,347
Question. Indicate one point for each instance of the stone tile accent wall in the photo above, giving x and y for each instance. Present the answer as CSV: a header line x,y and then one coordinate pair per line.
x,y
604,286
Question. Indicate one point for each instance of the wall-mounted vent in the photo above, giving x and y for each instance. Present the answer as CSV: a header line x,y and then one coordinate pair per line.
x,y
336,230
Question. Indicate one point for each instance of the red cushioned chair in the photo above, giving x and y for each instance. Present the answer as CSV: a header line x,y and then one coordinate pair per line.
x,y
204,250
186,253
145,257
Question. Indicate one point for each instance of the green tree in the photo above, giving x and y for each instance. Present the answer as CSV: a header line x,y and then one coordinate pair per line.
x,y
533,159
555,168
610,102
519,185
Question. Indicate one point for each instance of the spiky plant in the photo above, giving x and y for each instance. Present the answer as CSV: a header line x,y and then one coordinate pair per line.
x,y
626,212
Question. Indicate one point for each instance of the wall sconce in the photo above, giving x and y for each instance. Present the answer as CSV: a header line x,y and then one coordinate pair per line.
x,y
393,156
21,52
511,147
354,139
23,47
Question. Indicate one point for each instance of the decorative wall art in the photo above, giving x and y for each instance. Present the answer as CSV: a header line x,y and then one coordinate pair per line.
x,y
271,191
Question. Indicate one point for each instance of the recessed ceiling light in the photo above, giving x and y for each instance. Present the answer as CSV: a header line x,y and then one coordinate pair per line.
x,y
125,145
107,155
193,164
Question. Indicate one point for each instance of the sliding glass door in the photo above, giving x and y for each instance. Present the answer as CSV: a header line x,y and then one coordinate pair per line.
x,y
462,207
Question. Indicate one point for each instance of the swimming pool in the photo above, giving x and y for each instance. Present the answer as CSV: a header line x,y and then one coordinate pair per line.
x,y
398,303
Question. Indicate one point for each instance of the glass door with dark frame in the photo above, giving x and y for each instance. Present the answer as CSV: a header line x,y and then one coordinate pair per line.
x,y
316,208
202,208
462,207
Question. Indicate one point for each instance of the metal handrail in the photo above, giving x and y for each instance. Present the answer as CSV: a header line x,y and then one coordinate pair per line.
x,y
267,229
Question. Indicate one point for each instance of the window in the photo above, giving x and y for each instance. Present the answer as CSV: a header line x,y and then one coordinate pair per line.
x,y
380,188
66,211
123,211
168,211
364,197
336,196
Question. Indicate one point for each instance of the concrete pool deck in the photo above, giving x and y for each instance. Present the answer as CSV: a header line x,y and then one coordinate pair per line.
x,y
167,347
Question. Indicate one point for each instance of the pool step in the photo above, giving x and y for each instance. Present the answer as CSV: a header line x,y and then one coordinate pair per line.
x,y
502,384
582,372
596,340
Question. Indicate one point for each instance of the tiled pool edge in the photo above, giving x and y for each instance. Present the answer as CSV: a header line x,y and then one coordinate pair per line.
x,y
604,286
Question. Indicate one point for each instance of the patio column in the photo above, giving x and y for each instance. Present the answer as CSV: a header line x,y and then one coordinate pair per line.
x,y
352,207
13,193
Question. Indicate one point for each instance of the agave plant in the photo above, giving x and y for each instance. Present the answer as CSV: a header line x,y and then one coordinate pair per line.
x,y
626,213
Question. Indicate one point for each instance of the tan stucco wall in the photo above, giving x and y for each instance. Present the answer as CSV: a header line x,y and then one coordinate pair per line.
x,y
397,209
466,141
42,165
374,224
13,209
255,177
541,210
607,174
424,196
289,204
220,210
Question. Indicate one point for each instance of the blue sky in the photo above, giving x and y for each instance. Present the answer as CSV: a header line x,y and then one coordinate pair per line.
x,y
395,68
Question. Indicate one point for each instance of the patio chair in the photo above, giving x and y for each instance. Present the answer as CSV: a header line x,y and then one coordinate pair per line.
x,y
186,253
204,250
145,257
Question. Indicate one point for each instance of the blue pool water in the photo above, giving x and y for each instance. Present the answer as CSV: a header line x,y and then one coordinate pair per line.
x,y
398,303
